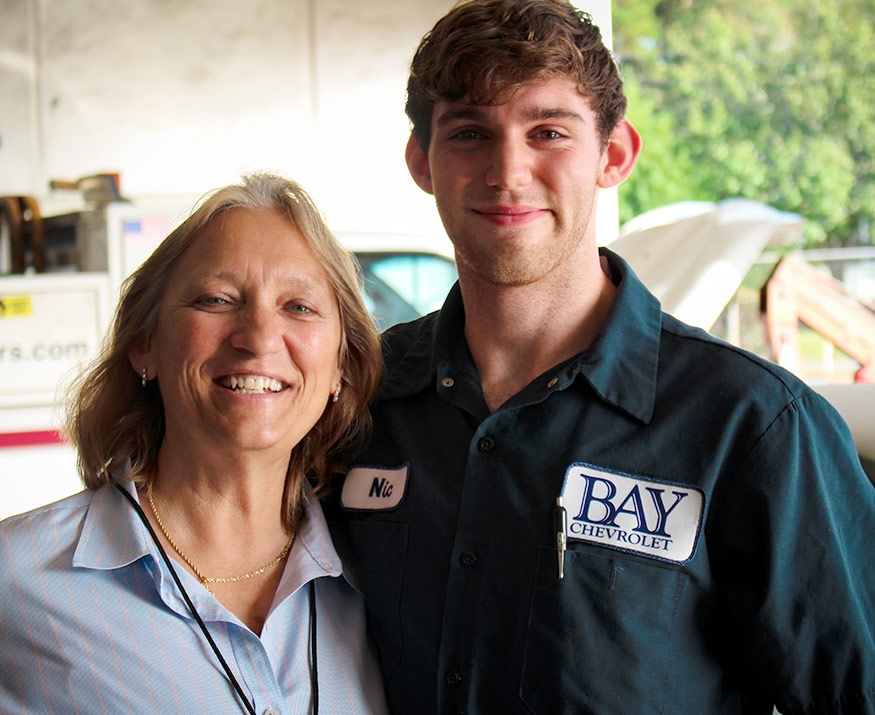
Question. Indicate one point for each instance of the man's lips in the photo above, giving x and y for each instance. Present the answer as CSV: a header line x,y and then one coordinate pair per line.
x,y
510,215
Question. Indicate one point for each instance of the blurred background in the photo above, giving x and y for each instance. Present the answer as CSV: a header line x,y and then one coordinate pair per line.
x,y
772,102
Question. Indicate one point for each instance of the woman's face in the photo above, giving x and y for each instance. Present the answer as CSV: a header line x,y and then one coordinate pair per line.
x,y
246,345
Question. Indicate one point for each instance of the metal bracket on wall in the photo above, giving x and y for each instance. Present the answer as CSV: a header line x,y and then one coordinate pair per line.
x,y
26,232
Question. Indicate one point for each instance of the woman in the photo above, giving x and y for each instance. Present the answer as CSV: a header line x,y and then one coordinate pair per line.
x,y
195,573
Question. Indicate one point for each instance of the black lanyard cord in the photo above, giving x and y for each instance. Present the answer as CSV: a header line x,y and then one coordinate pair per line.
x,y
314,668
250,708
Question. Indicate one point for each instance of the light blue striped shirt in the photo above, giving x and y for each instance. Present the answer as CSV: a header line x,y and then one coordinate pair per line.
x,y
91,621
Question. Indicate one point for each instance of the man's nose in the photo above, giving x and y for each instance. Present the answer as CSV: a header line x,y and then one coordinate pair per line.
x,y
510,164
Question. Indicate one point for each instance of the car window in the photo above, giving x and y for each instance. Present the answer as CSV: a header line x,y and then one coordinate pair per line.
x,y
403,286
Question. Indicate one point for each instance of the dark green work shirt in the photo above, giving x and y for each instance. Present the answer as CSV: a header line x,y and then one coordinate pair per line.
x,y
719,540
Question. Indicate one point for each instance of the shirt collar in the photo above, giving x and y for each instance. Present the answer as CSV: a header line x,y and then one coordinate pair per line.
x,y
113,536
620,365
313,555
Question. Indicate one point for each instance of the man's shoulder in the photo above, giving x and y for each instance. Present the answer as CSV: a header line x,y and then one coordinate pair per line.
x,y
732,376
409,341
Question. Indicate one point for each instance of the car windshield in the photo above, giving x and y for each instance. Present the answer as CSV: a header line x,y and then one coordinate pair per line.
x,y
400,287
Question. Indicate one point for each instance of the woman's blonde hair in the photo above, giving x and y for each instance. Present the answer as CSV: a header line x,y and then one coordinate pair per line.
x,y
112,418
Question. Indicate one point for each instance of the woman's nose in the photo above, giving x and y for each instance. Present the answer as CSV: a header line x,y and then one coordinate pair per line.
x,y
258,330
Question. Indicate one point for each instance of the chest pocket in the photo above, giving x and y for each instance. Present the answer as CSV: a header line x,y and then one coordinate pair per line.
x,y
599,640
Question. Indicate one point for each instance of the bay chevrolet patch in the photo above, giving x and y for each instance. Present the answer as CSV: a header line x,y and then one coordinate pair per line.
x,y
374,488
631,513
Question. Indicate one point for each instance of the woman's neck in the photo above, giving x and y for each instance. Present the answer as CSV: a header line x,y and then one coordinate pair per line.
x,y
226,517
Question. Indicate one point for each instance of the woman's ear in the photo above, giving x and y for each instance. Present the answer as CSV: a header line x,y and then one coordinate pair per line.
x,y
140,357
619,157
417,164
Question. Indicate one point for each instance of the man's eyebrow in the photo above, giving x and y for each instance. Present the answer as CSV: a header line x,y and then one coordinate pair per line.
x,y
541,114
535,114
459,113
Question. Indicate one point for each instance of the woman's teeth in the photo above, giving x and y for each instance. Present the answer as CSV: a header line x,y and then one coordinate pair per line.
x,y
250,385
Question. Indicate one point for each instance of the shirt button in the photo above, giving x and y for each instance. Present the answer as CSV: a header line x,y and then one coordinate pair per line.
x,y
453,677
486,444
468,558
553,382
271,711
448,382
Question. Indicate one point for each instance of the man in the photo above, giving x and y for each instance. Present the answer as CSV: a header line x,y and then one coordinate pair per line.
x,y
714,552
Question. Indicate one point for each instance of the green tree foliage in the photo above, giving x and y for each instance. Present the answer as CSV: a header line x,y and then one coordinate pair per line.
x,y
771,101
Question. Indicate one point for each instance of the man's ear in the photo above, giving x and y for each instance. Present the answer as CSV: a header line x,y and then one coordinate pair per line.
x,y
620,155
417,164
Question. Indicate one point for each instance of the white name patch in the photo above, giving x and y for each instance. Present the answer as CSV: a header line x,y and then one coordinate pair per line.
x,y
631,513
374,489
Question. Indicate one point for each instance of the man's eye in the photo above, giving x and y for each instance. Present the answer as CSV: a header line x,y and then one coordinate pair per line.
x,y
466,134
549,134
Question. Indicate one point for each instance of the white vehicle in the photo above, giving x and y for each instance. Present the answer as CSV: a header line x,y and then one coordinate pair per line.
x,y
404,276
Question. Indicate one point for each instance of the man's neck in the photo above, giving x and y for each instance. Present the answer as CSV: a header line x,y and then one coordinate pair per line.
x,y
516,334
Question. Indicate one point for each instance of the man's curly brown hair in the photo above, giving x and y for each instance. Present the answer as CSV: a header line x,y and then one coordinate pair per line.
x,y
489,50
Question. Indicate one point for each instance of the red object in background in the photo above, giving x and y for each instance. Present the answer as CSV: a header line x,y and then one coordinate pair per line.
x,y
28,439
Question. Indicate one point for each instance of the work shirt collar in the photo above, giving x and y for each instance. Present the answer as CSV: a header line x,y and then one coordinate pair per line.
x,y
620,365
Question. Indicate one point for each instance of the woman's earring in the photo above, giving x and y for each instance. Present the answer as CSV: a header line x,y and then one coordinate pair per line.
x,y
102,473
145,378
336,396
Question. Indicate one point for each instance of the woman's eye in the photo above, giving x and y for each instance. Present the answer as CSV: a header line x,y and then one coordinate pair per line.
x,y
300,308
212,301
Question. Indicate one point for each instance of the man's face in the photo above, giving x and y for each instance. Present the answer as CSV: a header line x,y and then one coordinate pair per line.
x,y
515,183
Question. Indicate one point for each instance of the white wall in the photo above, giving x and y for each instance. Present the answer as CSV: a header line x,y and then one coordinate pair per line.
x,y
181,97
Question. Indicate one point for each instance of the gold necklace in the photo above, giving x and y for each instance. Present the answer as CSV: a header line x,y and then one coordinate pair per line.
x,y
218,579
